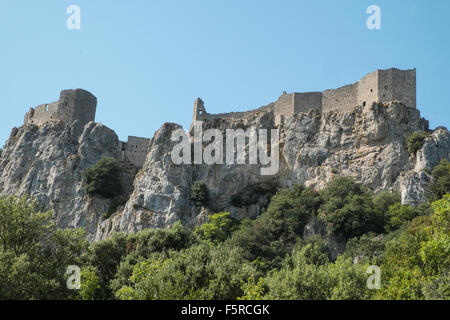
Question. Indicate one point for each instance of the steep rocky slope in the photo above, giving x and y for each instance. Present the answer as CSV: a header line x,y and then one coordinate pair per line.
x,y
46,162
367,143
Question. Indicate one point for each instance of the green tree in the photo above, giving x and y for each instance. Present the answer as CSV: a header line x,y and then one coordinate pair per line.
x,y
268,239
369,248
199,192
199,272
34,254
90,283
217,229
103,179
399,215
145,244
253,290
300,280
441,180
415,141
349,209
416,261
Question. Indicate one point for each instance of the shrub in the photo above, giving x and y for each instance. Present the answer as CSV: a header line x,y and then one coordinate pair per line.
x,y
103,179
399,215
441,180
217,229
34,255
253,290
200,272
415,141
369,247
199,192
268,239
349,210
300,280
145,244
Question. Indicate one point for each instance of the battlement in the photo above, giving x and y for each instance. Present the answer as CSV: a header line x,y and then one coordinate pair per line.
x,y
72,105
380,86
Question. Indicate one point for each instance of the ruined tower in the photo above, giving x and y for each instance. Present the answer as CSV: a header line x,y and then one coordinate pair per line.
x,y
72,105
199,110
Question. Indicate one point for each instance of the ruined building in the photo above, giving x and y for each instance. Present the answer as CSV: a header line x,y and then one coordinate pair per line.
x,y
379,86
81,105
72,105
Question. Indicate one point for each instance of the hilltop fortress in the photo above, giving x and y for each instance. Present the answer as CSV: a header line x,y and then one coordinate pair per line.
x,y
379,86
81,105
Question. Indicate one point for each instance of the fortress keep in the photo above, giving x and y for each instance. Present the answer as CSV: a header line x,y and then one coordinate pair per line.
x,y
72,105
379,86
81,105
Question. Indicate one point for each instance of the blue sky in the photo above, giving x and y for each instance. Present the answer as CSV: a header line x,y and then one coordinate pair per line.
x,y
146,61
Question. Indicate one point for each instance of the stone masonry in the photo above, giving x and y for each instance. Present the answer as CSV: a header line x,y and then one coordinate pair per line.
x,y
134,150
379,86
72,105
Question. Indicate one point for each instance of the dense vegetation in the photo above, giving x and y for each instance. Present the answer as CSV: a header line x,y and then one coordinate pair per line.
x,y
271,257
103,179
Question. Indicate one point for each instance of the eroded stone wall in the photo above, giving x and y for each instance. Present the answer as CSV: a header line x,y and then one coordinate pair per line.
x,y
134,150
342,99
72,105
397,85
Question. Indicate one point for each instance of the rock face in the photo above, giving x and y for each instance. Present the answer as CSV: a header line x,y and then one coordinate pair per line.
x,y
367,143
47,161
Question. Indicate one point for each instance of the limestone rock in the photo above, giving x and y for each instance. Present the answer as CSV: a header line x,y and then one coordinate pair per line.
x,y
47,161
367,143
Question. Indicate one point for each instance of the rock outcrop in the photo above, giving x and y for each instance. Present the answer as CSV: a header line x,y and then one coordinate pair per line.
x,y
367,143
47,161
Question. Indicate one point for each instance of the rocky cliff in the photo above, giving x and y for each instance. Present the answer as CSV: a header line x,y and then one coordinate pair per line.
x,y
367,143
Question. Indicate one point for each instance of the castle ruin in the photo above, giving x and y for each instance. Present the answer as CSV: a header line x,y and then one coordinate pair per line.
x,y
380,86
81,105
134,150
72,105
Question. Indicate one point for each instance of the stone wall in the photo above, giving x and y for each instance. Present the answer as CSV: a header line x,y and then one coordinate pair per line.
x,y
397,85
200,113
72,105
368,89
284,106
303,102
134,150
342,99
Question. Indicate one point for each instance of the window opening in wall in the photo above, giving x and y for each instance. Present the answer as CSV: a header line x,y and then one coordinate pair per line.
x,y
46,108
364,104
371,90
